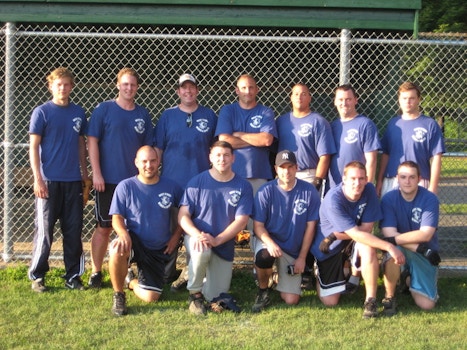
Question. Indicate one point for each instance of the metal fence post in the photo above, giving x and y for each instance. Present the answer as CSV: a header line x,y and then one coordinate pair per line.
x,y
344,74
8,144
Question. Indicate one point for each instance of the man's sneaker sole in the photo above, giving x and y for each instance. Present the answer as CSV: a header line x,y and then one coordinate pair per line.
x,y
130,276
178,285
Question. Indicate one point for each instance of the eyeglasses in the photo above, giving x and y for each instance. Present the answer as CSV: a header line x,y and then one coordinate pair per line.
x,y
189,120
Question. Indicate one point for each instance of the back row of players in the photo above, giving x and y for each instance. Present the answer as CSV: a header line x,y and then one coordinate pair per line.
x,y
184,134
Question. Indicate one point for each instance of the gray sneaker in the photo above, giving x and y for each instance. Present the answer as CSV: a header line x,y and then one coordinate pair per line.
x,y
370,308
389,306
38,285
262,300
119,304
197,306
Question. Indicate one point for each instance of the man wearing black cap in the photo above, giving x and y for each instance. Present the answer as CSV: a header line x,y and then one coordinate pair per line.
x,y
183,136
285,215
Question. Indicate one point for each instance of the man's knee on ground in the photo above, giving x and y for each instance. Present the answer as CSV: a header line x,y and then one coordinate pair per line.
x,y
290,298
264,260
423,302
330,300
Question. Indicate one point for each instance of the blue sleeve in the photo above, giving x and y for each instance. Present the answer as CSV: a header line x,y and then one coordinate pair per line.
x,y
95,126
224,124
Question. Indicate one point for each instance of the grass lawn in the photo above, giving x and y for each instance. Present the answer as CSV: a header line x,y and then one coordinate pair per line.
x,y
82,319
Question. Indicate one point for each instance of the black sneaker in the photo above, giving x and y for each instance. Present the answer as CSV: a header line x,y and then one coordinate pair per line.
x,y
350,288
370,308
38,285
95,280
74,283
262,300
119,304
389,306
130,276
197,306
180,283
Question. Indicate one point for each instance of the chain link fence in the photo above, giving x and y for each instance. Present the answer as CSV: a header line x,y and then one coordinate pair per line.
x,y
376,64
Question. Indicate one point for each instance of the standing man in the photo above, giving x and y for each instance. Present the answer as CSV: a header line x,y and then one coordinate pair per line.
x,y
183,136
347,215
285,216
117,129
57,152
355,135
140,209
250,128
215,207
410,220
308,135
411,136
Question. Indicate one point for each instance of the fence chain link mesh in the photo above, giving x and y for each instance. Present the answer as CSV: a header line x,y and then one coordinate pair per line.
x,y
376,64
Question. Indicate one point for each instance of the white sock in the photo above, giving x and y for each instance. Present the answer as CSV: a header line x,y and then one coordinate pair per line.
x,y
354,280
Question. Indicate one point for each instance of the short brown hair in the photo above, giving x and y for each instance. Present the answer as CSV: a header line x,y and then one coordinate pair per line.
x,y
409,164
59,73
346,87
354,164
128,71
222,144
407,86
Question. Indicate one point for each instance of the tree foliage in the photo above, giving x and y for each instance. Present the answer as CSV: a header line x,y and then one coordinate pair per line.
x,y
443,16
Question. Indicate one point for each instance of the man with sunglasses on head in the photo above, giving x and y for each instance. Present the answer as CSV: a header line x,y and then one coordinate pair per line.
x,y
183,136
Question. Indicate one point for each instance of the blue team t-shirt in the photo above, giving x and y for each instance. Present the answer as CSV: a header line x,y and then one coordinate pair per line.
x,y
60,129
285,214
146,209
417,140
120,134
338,214
309,138
353,139
405,216
185,149
250,162
214,205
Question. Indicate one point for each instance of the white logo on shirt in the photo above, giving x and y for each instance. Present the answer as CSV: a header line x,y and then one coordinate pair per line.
x,y
352,136
77,124
305,130
234,198
361,208
202,125
300,207
417,215
139,127
165,200
419,134
256,121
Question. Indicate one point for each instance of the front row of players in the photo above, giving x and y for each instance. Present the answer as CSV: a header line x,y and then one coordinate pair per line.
x,y
217,203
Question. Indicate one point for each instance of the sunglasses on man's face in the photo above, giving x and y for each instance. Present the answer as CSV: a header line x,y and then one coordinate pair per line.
x,y
189,120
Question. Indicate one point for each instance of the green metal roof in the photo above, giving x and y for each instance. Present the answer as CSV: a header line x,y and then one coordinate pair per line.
x,y
350,14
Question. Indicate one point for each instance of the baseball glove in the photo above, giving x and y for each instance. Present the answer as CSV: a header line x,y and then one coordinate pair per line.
x,y
87,185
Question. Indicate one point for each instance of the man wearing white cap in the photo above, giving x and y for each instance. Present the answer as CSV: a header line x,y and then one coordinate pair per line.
x,y
183,136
